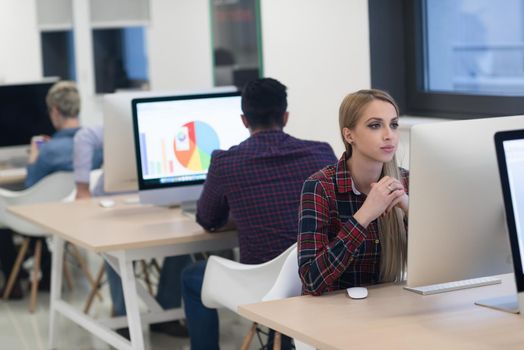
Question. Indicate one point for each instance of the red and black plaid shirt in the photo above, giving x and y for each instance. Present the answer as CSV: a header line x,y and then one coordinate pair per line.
x,y
334,250
259,182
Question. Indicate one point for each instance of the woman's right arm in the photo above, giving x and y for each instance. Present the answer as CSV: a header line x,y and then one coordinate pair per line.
x,y
321,261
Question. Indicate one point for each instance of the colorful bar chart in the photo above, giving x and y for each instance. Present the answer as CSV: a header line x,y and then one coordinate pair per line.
x,y
143,154
191,149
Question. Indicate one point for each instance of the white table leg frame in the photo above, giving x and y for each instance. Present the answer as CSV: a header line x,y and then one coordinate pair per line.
x,y
155,312
127,274
122,262
57,305
151,302
56,287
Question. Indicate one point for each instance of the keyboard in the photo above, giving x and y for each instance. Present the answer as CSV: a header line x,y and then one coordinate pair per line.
x,y
456,285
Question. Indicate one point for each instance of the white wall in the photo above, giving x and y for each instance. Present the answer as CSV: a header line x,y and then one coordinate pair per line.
x,y
20,58
179,45
91,110
320,50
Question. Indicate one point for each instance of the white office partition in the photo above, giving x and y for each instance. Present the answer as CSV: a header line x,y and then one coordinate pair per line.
x,y
320,50
20,59
179,41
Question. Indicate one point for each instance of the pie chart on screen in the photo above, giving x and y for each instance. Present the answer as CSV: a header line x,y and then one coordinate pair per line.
x,y
193,145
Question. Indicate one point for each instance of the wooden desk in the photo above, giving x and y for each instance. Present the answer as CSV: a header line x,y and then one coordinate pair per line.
x,y
123,234
393,318
122,227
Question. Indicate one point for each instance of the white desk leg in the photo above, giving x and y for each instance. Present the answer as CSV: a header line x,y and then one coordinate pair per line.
x,y
56,287
131,298
151,303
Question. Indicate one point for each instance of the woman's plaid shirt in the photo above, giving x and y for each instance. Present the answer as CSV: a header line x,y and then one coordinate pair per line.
x,y
334,250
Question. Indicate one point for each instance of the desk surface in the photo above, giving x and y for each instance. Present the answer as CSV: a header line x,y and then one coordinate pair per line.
x,y
393,318
122,227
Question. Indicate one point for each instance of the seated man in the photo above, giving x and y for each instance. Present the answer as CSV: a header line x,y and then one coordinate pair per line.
x,y
55,154
88,155
258,182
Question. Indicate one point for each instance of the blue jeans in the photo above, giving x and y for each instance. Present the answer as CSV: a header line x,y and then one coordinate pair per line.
x,y
201,321
169,289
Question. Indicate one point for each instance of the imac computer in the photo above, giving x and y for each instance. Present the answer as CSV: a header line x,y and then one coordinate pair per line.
x,y
456,228
174,138
509,146
119,149
23,114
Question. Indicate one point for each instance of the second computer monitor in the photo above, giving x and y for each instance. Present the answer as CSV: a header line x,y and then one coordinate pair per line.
x,y
23,114
174,139
456,212
119,148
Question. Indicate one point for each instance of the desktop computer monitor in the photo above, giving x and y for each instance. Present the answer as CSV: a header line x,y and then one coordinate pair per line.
x,y
456,227
23,113
509,146
119,149
120,173
174,138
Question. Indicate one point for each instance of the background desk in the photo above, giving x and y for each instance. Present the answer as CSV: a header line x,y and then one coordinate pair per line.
x,y
393,318
124,233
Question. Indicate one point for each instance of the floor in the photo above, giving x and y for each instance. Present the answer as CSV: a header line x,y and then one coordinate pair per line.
x,y
21,330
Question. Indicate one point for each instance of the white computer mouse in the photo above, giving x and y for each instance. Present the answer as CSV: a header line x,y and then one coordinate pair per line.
x,y
357,292
106,203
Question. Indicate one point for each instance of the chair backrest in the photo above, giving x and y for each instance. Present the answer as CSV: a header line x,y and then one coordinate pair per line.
x,y
229,283
288,283
52,188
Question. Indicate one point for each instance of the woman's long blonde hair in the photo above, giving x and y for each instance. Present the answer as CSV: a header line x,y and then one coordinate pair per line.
x,y
392,232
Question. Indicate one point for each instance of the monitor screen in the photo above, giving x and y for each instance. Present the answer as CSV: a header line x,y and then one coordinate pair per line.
x,y
510,155
119,152
23,112
456,220
174,139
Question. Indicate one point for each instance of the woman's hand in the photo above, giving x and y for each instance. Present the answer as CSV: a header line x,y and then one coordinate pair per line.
x,y
384,195
402,201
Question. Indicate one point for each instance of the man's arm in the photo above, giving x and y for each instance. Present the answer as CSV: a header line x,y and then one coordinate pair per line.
x,y
229,226
82,190
39,168
213,207
86,141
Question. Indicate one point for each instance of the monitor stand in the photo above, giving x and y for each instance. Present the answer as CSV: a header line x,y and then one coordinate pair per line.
x,y
507,303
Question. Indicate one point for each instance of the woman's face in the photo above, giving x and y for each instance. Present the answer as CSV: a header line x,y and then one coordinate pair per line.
x,y
375,136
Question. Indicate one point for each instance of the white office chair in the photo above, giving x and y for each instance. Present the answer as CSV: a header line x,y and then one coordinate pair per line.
x,y
230,284
287,285
55,187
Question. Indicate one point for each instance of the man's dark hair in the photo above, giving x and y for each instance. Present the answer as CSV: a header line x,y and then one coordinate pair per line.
x,y
264,102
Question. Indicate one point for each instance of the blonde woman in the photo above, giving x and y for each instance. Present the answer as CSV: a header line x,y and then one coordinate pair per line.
x,y
352,228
